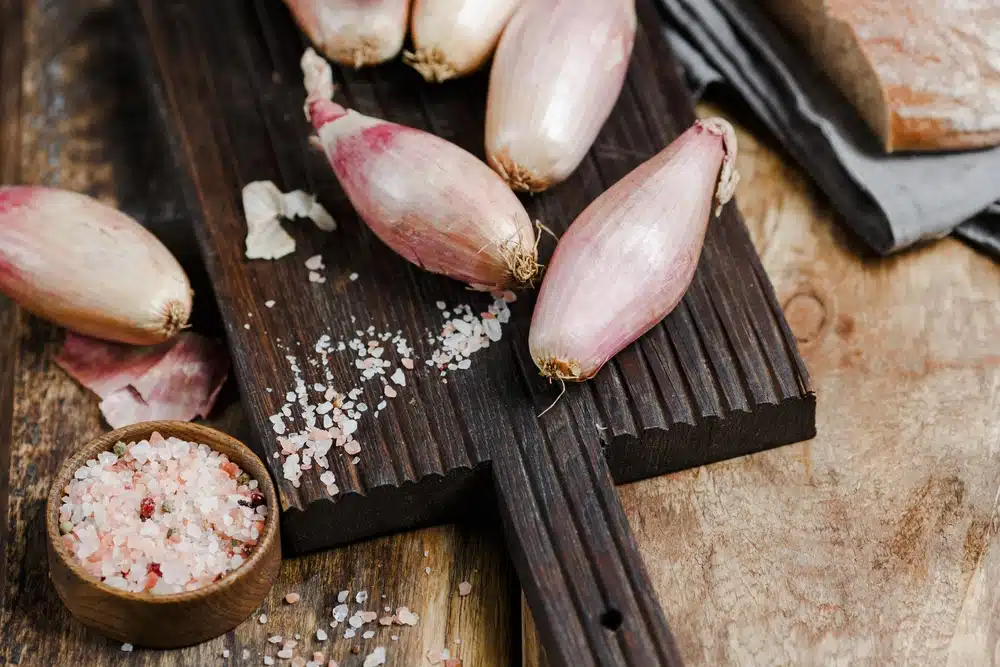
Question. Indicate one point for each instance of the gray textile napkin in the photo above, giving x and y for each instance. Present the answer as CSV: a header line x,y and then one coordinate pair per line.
x,y
890,201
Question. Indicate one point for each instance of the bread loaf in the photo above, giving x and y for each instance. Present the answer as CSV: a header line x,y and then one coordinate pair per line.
x,y
924,74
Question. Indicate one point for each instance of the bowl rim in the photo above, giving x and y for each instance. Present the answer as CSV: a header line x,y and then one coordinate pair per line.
x,y
133,432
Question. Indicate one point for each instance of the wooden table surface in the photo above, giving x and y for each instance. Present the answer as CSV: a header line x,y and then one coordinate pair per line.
x,y
874,544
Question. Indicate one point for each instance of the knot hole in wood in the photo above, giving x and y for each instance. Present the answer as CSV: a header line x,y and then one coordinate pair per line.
x,y
612,619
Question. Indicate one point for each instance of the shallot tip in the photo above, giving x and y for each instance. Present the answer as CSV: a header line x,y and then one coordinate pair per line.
x,y
432,64
560,369
728,176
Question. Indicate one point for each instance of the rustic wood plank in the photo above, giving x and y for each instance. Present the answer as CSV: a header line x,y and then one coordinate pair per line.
x,y
11,29
88,125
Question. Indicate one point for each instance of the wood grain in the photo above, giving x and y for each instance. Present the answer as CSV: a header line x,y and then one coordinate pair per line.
x,y
875,543
88,125
176,620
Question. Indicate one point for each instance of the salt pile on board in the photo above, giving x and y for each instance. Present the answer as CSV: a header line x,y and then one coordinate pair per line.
x,y
463,333
162,516
319,418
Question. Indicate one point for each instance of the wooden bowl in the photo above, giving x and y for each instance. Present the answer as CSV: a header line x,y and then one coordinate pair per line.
x,y
178,619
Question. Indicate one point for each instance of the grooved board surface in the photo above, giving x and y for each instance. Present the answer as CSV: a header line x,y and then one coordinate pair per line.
x,y
720,377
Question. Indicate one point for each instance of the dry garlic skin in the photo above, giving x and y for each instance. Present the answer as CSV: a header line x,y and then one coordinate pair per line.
x,y
90,268
558,70
354,32
627,260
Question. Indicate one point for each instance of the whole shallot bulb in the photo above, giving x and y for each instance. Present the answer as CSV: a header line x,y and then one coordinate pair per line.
x,y
432,202
452,38
627,260
557,73
88,267
353,32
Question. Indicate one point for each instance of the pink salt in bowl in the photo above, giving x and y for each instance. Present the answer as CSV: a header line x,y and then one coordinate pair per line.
x,y
174,619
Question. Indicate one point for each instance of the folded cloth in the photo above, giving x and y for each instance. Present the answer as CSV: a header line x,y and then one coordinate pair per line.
x,y
890,201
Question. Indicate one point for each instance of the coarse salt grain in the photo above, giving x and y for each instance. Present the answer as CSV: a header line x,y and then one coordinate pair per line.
x,y
262,619
225,653
161,515
292,598
375,658
361,597
427,570
390,392
342,596
315,263
406,617
268,660
127,647
285,653
353,277
269,303
368,634
464,588
321,635
275,639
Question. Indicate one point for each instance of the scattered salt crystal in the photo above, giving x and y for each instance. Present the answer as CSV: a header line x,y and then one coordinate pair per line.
x,y
275,639
321,635
381,405
349,633
299,661
356,460
315,263
399,378
285,653
407,363
262,619
315,277
385,620
245,654
395,638
269,303
246,326
368,634
427,570
426,553
441,305
127,647
352,447
353,277
406,617
390,392
340,612
464,588
290,643
355,621
361,597
292,598
225,653
268,660
375,658
342,596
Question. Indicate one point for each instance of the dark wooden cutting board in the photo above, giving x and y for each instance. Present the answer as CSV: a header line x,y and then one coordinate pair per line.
x,y
719,378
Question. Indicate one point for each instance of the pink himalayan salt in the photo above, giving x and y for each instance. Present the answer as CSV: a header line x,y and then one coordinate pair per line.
x,y
161,516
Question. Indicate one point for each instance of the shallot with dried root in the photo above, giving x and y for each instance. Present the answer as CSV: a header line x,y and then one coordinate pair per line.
x,y
558,70
354,32
432,202
453,38
83,265
627,260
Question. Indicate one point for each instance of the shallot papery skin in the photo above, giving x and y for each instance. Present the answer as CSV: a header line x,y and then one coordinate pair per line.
x,y
83,265
453,38
558,70
432,202
354,32
627,260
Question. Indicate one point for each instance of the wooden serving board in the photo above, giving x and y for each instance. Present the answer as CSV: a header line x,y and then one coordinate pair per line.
x,y
719,378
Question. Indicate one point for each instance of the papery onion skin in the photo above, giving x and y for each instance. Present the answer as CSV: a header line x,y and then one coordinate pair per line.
x,y
355,33
432,202
557,73
628,259
453,38
83,265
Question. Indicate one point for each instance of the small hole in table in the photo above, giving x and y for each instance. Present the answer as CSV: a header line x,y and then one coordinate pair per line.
x,y
612,619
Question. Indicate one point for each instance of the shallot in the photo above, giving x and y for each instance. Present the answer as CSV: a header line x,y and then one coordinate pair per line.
x,y
354,32
429,200
88,267
452,38
627,260
559,68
